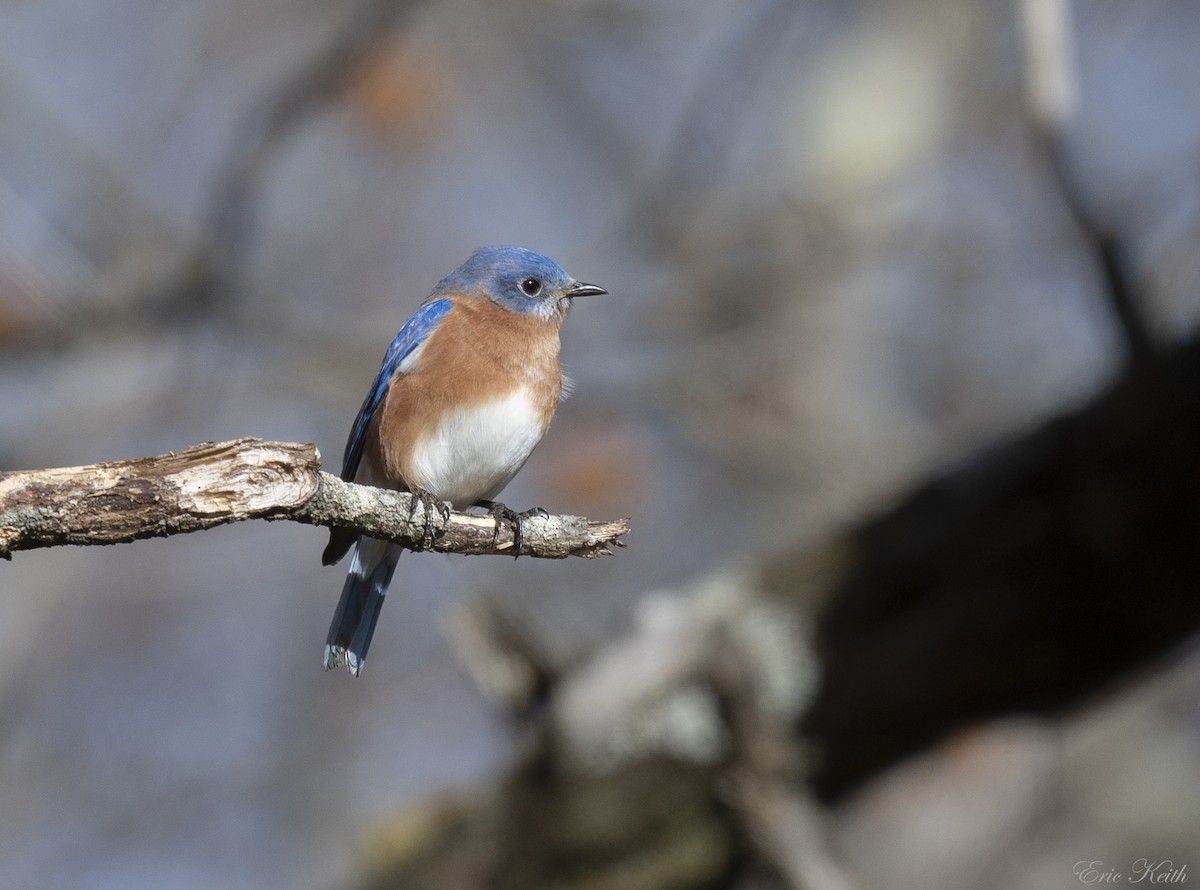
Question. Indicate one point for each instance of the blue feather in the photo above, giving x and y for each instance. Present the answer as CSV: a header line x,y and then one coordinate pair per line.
x,y
415,331
358,609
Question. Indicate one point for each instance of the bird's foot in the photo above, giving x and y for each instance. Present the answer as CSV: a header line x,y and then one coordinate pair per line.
x,y
515,520
428,504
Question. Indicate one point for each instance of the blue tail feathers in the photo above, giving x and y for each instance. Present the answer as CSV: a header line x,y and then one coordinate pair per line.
x,y
362,598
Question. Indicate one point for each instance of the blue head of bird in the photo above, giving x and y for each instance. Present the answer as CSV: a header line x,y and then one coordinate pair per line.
x,y
519,280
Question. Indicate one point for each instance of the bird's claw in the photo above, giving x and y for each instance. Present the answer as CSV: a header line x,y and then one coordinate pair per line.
x,y
515,520
428,503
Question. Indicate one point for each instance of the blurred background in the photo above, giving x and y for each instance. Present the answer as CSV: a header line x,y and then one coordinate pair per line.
x,y
837,261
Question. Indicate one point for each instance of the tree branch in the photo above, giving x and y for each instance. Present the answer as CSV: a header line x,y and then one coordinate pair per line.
x,y
218,483
1027,581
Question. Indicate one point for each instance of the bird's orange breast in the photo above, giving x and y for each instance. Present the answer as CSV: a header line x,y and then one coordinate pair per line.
x,y
480,354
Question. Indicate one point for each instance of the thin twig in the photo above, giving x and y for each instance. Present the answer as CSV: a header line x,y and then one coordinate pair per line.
x,y
1051,91
208,279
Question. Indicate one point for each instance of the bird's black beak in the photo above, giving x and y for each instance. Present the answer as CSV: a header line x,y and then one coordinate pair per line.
x,y
579,289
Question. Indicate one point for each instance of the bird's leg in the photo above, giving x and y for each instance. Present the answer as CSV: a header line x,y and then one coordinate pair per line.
x,y
516,520
428,503
500,513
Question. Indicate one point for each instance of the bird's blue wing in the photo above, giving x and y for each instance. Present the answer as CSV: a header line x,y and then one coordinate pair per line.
x,y
414,332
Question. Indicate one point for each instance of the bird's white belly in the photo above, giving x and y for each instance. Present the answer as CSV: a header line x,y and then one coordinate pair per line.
x,y
474,452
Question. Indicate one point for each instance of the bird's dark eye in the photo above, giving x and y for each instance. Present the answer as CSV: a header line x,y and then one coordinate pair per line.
x,y
531,287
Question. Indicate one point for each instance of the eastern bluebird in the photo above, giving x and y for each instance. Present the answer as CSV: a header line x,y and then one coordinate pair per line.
x,y
466,390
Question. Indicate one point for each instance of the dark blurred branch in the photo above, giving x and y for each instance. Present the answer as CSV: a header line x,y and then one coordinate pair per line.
x,y
218,483
1038,576
1050,568
1047,570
